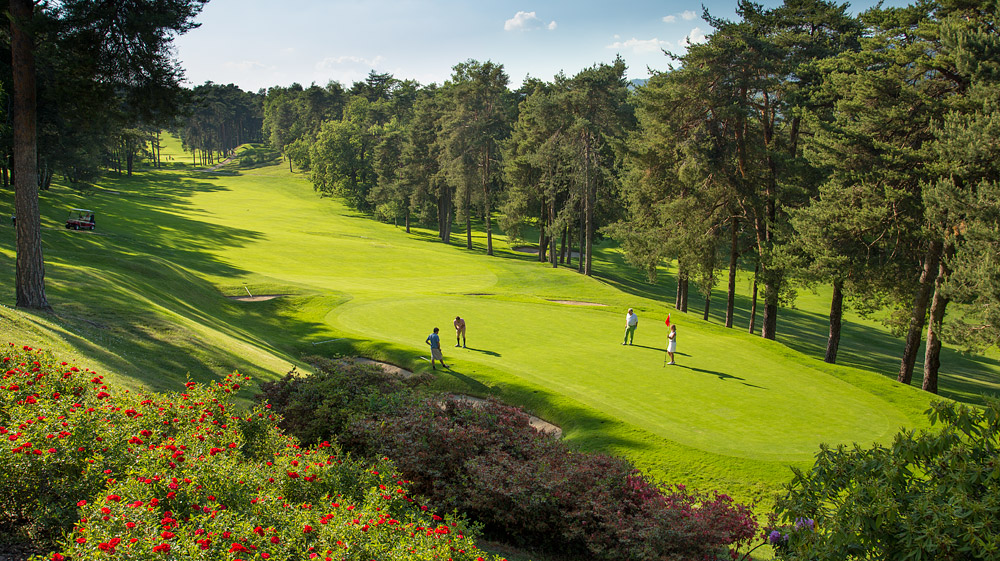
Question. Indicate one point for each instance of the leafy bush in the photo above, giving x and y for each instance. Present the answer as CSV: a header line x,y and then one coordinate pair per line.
x,y
321,406
931,495
487,462
188,475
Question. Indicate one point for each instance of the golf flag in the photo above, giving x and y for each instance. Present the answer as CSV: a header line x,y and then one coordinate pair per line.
x,y
668,320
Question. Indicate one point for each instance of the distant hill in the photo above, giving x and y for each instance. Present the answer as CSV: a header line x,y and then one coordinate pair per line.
x,y
637,82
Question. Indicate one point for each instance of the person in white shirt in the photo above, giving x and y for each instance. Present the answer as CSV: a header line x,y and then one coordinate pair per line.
x,y
672,343
631,322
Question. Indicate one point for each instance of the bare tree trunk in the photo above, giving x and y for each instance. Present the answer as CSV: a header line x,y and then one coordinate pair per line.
x,y
486,203
932,354
753,301
734,257
919,315
589,210
684,293
553,258
771,290
708,304
562,250
582,241
468,219
836,319
680,286
30,264
543,239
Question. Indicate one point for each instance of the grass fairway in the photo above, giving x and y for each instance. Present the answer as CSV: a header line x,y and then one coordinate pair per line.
x,y
145,296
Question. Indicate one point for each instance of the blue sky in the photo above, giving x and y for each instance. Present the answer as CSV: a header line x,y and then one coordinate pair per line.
x,y
258,44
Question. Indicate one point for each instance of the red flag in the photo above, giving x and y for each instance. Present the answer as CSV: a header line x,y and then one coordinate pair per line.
x,y
668,320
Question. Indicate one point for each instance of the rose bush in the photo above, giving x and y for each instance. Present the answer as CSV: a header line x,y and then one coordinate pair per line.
x,y
95,471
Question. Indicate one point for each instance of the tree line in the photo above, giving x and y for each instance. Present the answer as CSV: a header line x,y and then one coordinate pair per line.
x,y
802,142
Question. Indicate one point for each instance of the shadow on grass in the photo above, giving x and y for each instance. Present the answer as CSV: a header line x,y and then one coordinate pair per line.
x,y
485,352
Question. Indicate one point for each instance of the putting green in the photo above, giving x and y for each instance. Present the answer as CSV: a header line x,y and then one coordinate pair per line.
x,y
728,407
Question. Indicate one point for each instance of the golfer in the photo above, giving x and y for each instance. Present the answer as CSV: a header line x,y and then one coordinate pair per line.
x,y
435,342
631,322
672,343
459,332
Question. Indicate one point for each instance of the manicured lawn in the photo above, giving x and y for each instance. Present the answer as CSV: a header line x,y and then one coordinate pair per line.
x,y
144,296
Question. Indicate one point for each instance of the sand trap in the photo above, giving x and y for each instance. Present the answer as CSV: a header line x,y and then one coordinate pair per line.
x,y
539,424
261,298
577,303
389,368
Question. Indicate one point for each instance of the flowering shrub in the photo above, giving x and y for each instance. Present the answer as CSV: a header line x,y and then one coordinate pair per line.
x,y
488,463
94,472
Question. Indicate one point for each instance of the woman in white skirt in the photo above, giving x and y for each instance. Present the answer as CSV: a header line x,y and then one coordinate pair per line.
x,y
672,343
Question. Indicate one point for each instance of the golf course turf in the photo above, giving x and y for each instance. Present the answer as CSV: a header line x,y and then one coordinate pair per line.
x,y
144,297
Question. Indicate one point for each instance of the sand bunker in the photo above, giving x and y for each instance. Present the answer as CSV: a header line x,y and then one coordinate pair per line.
x,y
539,424
577,303
260,298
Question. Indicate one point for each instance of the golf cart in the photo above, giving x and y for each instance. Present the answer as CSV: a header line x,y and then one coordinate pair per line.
x,y
80,219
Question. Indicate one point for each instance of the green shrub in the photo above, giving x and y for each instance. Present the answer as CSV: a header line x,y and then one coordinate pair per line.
x,y
321,406
931,495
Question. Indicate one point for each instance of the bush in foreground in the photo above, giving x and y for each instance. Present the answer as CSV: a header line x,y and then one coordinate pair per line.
x,y
488,463
93,472
931,495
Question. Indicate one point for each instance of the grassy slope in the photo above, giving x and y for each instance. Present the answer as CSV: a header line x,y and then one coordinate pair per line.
x,y
143,297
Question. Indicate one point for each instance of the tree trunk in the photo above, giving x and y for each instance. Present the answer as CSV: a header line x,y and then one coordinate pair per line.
x,y
30,264
553,258
468,219
919,314
932,355
753,301
771,288
708,304
582,240
562,249
486,202
734,257
836,318
588,209
684,293
543,241
677,294
407,218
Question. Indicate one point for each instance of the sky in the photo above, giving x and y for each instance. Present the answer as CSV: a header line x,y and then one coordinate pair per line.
x,y
258,44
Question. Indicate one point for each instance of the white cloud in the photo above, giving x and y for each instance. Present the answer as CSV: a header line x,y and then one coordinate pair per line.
x,y
525,21
686,15
345,69
640,45
696,36
346,62
248,66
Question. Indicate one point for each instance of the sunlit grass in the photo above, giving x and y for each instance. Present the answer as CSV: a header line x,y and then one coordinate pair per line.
x,y
145,297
